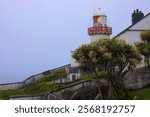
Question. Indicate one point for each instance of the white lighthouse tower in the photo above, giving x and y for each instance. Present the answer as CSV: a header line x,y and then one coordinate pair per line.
x,y
100,29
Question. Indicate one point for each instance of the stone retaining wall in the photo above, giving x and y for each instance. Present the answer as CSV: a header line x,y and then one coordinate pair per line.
x,y
137,78
9,86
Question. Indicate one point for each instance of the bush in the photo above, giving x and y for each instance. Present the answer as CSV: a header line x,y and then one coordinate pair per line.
x,y
103,74
88,76
40,87
54,75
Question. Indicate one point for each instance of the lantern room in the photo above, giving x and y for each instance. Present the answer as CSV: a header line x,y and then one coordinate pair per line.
x,y
99,19
99,29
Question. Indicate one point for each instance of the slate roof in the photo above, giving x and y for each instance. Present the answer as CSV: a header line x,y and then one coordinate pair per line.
x,y
73,70
131,26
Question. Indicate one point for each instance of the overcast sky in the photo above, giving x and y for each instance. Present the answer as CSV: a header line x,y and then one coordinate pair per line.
x,y
38,35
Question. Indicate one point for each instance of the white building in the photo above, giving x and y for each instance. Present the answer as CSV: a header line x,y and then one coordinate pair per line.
x,y
72,73
100,30
132,33
139,23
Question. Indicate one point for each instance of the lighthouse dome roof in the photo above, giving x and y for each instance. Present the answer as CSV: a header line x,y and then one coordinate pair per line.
x,y
99,13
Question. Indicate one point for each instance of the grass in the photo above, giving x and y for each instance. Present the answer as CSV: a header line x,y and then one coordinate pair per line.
x,y
5,94
141,94
54,75
43,86
31,89
88,77
39,87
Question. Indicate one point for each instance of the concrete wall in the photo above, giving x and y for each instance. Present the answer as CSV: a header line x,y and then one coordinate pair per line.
x,y
33,78
29,80
9,86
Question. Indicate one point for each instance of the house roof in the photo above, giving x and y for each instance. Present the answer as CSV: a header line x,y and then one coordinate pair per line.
x,y
73,70
131,26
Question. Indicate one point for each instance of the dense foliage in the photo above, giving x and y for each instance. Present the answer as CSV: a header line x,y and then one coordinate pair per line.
x,y
58,74
143,47
112,56
145,36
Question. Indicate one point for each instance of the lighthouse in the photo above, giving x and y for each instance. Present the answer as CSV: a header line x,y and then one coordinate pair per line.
x,y
100,29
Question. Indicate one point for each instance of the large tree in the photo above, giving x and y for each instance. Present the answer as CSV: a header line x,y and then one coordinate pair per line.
x,y
114,56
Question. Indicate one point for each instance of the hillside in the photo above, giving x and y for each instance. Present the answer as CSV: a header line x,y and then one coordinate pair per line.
x,y
46,84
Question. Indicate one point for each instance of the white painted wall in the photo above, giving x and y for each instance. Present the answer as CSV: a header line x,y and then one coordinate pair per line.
x,y
77,75
98,37
132,35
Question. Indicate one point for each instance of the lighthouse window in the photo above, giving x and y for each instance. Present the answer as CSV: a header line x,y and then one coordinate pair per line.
x,y
98,20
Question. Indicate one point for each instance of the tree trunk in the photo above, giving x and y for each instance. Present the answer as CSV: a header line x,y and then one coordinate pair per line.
x,y
100,96
110,90
116,88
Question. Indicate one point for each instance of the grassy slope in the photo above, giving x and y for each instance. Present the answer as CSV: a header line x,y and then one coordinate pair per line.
x,y
6,94
40,87
43,86
32,89
142,94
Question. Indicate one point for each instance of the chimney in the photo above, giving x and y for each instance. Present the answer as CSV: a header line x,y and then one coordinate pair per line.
x,y
137,16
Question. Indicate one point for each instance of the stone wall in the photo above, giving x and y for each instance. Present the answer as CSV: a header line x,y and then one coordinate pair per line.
x,y
137,78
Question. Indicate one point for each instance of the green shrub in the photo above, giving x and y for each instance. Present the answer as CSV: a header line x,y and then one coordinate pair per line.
x,y
40,87
102,74
88,76
54,75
